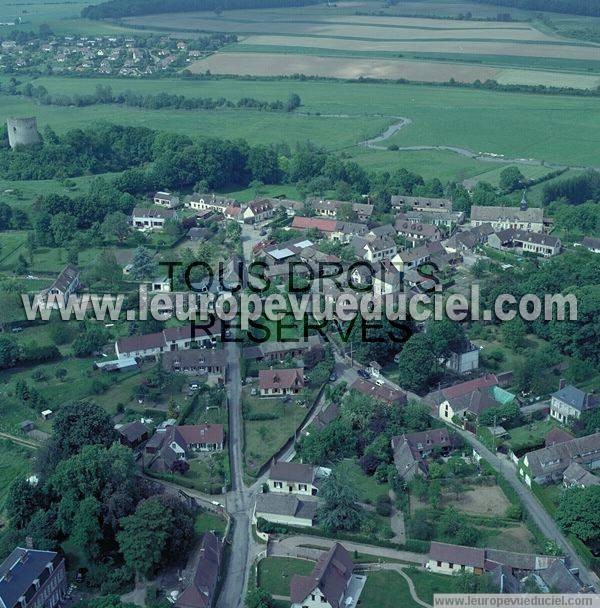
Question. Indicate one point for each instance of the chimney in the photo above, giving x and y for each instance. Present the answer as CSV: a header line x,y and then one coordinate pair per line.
x,y
561,384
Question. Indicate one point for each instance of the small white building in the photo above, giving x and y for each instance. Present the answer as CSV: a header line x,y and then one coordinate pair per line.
x,y
451,559
166,199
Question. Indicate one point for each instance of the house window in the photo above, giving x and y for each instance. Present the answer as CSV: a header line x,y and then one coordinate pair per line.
x,y
302,487
278,484
439,564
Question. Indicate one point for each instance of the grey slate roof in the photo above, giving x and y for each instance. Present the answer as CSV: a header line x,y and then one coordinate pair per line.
x,y
558,578
574,397
293,472
286,505
497,213
556,458
23,566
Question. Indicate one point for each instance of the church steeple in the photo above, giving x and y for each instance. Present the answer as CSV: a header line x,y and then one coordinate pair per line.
x,y
524,205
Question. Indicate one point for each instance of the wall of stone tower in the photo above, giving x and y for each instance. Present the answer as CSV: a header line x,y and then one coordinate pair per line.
x,y
22,132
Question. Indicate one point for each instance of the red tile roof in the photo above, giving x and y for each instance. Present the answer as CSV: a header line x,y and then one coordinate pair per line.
x,y
307,223
464,388
281,378
201,433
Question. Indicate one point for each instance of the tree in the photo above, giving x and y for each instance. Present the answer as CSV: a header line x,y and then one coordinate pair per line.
x,y
145,538
115,226
578,513
514,332
91,340
446,337
61,373
75,426
339,508
417,363
511,178
64,228
86,532
142,264
22,501
104,270
9,352
258,598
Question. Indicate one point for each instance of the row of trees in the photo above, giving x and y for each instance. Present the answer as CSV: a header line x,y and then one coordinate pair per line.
x,y
104,95
125,8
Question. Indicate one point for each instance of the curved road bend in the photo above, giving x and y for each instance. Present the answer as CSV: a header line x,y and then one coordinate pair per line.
x,y
541,517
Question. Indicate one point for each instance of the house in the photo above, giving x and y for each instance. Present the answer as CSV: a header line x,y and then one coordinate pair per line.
x,y
591,244
331,584
345,231
258,211
440,218
275,382
386,279
468,240
30,578
201,590
278,351
568,402
329,208
374,249
171,446
502,218
201,202
151,218
421,203
547,465
133,434
464,359
170,339
285,509
384,393
233,213
469,399
196,361
293,478
291,207
449,559
26,426
411,450
326,227
415,231
65,284
525,241
575,476
166,199
559,579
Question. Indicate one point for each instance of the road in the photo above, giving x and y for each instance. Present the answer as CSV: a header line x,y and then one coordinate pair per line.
x,y
240,501
539,515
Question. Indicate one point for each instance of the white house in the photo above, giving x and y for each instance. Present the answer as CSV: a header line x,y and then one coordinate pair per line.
x,y
451,559
151,218
293,478
166,199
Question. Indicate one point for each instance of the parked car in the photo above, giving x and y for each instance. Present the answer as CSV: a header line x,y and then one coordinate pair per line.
x,y
363,374
332,377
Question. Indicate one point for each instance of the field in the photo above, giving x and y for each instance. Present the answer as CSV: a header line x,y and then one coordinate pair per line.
x,y
553,129
334,41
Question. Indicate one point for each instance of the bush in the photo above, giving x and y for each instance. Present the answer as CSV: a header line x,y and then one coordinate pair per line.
x,y
383,506
514,512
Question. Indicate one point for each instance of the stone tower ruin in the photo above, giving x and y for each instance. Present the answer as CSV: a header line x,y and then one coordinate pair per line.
x,y
22,132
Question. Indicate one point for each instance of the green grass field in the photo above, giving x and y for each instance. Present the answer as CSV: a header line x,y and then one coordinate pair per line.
x,y
15,461
339,115
386,590
275,573
262,438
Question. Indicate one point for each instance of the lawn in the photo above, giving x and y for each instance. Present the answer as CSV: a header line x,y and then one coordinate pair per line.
x,y
206,521
275,573
386,589
277,422
367,487
15,461
429,583
530,435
